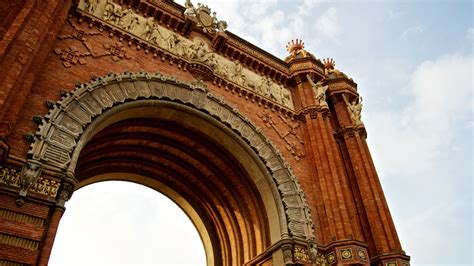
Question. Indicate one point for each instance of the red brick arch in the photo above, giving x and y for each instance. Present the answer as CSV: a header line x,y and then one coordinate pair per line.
x,y
233,176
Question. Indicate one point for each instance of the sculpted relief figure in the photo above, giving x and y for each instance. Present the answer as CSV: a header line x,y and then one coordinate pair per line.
x,y
129,20
149,26
155,36
237,76
91,5
192,50
113,12
319,91
174,44
355,109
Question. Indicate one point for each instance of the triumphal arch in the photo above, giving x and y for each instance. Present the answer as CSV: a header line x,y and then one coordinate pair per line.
x,y
268,157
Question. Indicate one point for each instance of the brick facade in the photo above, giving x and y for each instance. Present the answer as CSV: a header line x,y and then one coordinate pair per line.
x,y
49,48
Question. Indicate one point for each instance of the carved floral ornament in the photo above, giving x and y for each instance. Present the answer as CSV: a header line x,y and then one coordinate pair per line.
x,y
196,52
61,129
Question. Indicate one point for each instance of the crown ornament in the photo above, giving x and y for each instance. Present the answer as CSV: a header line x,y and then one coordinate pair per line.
x,y
296,50
293,46
329,63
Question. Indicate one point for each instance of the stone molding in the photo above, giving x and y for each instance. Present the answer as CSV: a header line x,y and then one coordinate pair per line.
x,y
56,140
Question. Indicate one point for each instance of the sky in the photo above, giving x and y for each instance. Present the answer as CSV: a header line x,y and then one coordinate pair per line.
x,y
413,63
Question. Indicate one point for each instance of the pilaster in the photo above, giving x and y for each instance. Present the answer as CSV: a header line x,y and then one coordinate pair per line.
x,y
30,38
379,230
339,232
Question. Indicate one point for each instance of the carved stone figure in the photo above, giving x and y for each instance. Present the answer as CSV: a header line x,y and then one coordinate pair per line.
x,y
30,172
113,12
173,43
221,25
319,91
355,110
156,36
210,60
237,75
264,87
196,50
129,20
223,70
91,5
190,9
149,26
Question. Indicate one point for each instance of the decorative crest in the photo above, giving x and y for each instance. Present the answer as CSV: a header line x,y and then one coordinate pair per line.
x,y
330,70
296,50
295,46
329,63
209,23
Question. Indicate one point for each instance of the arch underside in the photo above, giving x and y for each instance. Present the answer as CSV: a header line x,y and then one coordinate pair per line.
x,y
196,168
186,139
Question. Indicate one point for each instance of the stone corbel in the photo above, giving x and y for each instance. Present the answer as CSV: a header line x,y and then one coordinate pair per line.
x,y
287,254
65,191
30,172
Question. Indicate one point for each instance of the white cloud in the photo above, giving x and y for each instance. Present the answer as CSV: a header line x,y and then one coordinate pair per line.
x,y
412,31
327,25
414,155
440,97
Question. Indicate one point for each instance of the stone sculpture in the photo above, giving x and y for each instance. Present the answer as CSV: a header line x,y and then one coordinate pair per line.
x,y
355,109
319,91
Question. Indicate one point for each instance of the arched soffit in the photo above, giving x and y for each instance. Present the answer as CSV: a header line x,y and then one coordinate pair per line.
x,y
78,114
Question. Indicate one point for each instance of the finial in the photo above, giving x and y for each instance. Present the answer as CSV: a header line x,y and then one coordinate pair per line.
x,y
295,46
329,63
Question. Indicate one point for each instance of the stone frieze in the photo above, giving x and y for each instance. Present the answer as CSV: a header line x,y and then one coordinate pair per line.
x,y
193,51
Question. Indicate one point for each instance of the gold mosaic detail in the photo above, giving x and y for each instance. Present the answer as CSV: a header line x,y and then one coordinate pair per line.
x,y
301,254
331,258
11,177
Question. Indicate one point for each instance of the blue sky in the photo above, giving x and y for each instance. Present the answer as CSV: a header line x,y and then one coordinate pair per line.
x,y
412,61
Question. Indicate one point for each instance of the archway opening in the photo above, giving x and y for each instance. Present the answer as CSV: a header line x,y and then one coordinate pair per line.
x,y
113,222
200,166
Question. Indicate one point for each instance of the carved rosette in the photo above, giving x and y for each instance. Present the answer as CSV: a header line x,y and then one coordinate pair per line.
x,y
57,137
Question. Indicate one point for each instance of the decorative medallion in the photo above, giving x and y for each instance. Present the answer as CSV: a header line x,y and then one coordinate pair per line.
x,y
346,253
361,254
391,263
331,257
